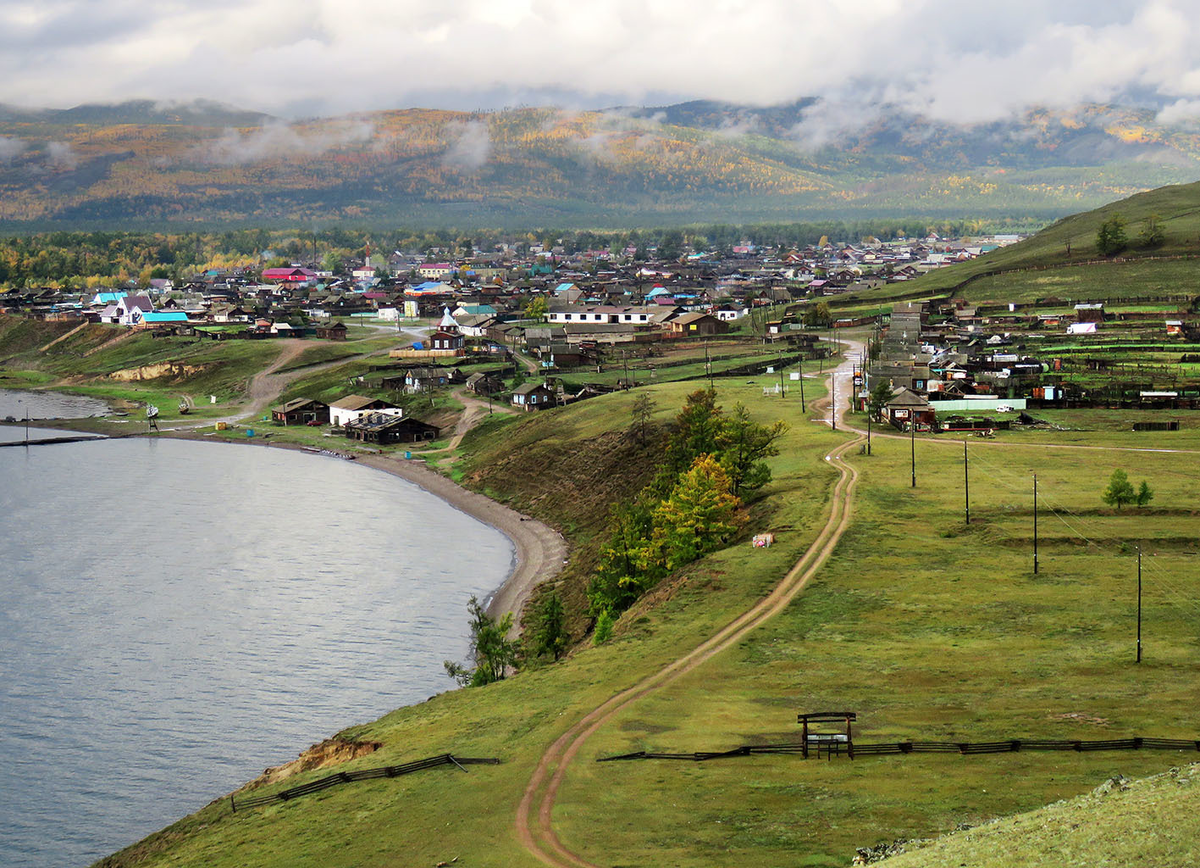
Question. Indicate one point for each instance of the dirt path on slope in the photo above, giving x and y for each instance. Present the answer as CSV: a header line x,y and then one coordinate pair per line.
x,y
534,820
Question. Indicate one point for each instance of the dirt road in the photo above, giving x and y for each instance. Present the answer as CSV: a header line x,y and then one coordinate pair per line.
x,y
535,814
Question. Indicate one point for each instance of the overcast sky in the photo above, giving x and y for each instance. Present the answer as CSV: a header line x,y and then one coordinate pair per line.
x,y
947,59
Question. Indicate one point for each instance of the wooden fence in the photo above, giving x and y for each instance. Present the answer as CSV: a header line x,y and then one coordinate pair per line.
x,y
359,775
836,748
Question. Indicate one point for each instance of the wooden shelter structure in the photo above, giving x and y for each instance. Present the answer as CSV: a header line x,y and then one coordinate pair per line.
x,y
828,717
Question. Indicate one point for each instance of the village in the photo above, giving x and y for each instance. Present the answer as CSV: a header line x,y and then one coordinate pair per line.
x,y
532,327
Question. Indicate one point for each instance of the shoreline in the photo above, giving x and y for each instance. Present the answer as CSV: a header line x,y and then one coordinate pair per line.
x,y
539,551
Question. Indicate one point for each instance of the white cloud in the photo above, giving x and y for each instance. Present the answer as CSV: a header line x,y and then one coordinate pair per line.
x,y
10,147
1182,112
60,156
472,146
276,140
947,59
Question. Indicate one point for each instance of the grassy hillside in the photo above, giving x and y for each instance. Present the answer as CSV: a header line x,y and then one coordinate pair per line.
x,y
1149,822
928,628
1062,260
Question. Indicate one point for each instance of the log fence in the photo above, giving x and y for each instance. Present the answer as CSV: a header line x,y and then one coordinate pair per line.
x,y
835,748
334,780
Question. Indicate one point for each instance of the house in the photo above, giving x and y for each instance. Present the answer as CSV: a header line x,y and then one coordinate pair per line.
x,y
351,407
227,313
484,384
608,314
475,326
697,325
302,411
444,339
335,332
384,428
292,275
436,270
729,313
132,309
158,317
424,379
533,396
906,406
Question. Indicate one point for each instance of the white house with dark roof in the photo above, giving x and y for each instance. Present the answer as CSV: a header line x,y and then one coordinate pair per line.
x,y
352,407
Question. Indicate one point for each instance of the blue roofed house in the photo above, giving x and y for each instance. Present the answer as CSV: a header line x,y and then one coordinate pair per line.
x,y
154,317
473,310
107,297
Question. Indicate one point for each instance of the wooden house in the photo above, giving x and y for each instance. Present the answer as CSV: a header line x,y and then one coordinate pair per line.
x,y
347,409
334,332
424,379
302,411
696,325
484,384
533,396
444,339
905,407
383,428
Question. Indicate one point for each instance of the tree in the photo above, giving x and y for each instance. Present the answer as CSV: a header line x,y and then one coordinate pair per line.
x,y
1145,494
547,631
699,515
492,652
1110,237
1120,490
817,316
1152,234
627,564
536,307
604,628
641,413
696,430
880,394
670,246
744,446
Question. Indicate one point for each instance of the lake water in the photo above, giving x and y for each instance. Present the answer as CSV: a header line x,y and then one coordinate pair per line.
x,y
48,405
176,616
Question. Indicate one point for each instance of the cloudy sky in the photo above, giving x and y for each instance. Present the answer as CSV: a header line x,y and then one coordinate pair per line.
x,y
947,59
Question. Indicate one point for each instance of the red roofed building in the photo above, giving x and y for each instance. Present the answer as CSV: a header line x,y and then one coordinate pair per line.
x,y
290,275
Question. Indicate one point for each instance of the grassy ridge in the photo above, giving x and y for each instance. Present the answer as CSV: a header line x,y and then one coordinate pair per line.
x,y
927,628
1062,260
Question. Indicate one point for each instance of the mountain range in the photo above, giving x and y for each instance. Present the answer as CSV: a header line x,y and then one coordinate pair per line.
x,y
149,165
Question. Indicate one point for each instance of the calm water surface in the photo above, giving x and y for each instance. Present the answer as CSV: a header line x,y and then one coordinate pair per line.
x,y
18,403
175,616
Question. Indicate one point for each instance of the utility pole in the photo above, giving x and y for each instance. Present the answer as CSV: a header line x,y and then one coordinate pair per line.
x,y
1035,553
833,400
1139,632
868,429
966,484
782,387
912,442
802,407
708,365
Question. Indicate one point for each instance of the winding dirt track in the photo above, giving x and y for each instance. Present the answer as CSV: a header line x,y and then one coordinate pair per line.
x,y
534,820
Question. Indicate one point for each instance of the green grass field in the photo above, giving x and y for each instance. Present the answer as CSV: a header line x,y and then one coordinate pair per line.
x,y
924,626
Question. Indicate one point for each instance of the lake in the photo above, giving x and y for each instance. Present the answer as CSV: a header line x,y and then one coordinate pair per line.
x,y
17,403
176,616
